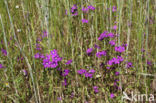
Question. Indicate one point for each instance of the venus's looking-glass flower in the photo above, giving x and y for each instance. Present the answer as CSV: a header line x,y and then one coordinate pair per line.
x,y
89,51
120,49
1,66
114,27
112,42
112,95
69,62
84,21
114,8
96,89
4,52
101,53
129,64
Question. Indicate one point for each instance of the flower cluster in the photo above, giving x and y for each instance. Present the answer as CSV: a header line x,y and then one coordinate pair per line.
x,y
85,73
101,53
69,62
120,49
39,56
4,52
96,89
84,21
86,10
65,72
106,34
51,60
112,42
1,66
89,51
74,10
114,60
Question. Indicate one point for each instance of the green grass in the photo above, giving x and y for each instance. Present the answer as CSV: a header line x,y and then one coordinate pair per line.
x,y
71,38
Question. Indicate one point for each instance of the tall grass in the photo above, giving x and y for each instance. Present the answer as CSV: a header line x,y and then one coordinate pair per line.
x,y
135,20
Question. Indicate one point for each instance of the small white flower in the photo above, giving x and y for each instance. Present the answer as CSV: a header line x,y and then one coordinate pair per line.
x,y
17,6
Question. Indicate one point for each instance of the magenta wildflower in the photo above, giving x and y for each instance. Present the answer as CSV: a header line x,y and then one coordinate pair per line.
x,y
4,52
92,71
103,35
45,34
66,72
114,8
64,83
96,89
112,95
91,7
101,53
69,62
117,73
90,75
129,64
38,47
51,60
85,9
120,49
112,42
89,51
149,63
120,58
1,66
84,21
24,72
96,46
59,98
114,27
37,56
82,71
111,35
74,10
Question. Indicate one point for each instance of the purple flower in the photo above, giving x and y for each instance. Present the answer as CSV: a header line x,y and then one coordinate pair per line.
x,y
85,9
64,83
111,35
107,67
89,51
91,7
112,95
38,47
120,49
129,64
103,35
114,8
59,98
24,72
112,42
96,89
84,21
149,62
114,27
117,73
120,58
74,10
101,53
4,52
1,66
45,34
92,71
66,72
37,56
51,60
69,62
82,71
90,75
96,46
